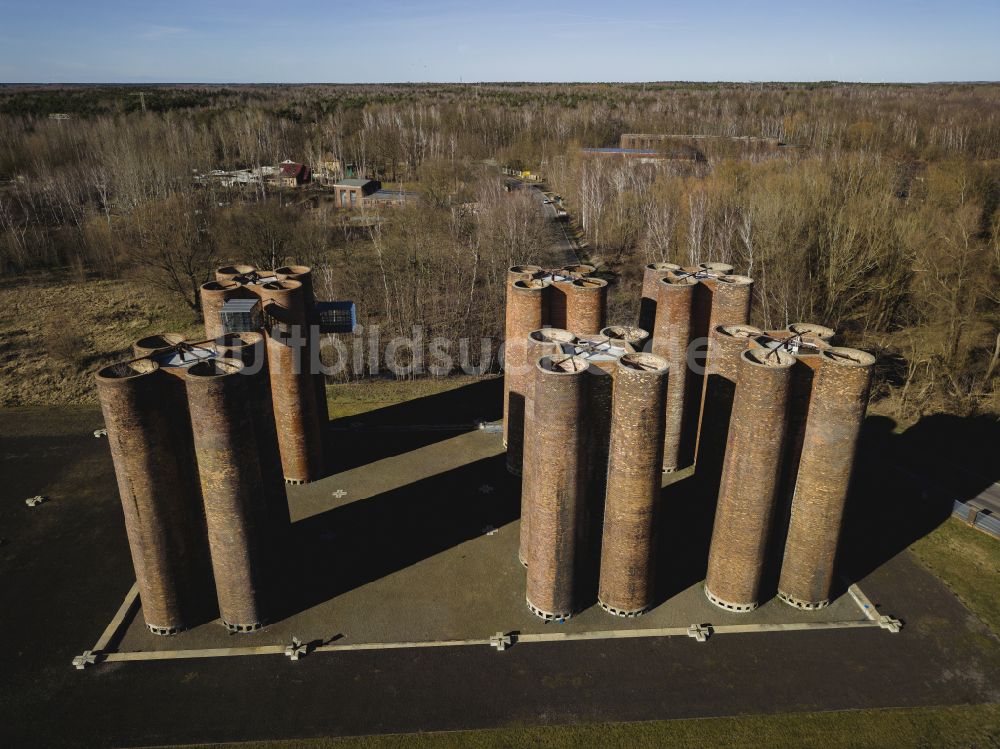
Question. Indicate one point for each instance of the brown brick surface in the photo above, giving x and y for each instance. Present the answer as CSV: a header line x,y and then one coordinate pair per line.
x,y
749,483
556,314
302,274
586,305
525,313
730,302
545,342
213,295
836,411
251,349
555,554
151,445
651,276
293,389
671,336
729,342
633,484
235,504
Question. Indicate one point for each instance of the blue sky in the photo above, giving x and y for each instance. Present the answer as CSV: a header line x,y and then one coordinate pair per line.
x,y
550,40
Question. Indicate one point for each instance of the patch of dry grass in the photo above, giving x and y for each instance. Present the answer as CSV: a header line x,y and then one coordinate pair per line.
x,y
968,562
352,398
958,726
55,334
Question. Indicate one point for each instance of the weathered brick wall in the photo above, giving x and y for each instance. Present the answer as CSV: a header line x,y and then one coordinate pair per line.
x,y
650,291
525,312
586,305
836,411
749,484
671,335
545,342
233,492
300,437
151,445
557,515
627,561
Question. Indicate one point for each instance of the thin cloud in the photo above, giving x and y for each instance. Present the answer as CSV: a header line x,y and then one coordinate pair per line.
x,y
156,31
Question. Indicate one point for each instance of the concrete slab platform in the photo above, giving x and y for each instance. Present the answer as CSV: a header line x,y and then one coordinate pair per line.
x,y
65,568
434,534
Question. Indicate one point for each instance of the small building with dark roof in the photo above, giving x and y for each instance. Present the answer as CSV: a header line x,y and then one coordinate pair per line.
x,y
348,193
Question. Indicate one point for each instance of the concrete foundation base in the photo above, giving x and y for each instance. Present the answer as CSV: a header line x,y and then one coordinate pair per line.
x,y
623,614
546,615
722,604
802,605
164,631
243,627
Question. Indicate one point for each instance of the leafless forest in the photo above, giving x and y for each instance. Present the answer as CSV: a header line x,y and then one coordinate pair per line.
x,y
880,217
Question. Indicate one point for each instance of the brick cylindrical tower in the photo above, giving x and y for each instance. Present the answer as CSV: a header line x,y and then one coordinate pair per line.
x,y
721,300
633,487
628,334
731,301
156,344
251,349
671,336
525,313
701,313
556,308
235,507
812,329
749,485
600,386
836,411
556,553
806,349
234,272
586,305
302,274
293,391
717,405
213,295
721,269
650,290
160,494
544,342
522,272
602,356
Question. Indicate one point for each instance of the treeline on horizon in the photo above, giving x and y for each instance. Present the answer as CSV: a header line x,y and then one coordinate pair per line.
x,y
882,221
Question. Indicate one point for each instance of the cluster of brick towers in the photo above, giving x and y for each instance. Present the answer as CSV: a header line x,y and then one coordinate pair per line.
x,y
595,415
204,436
